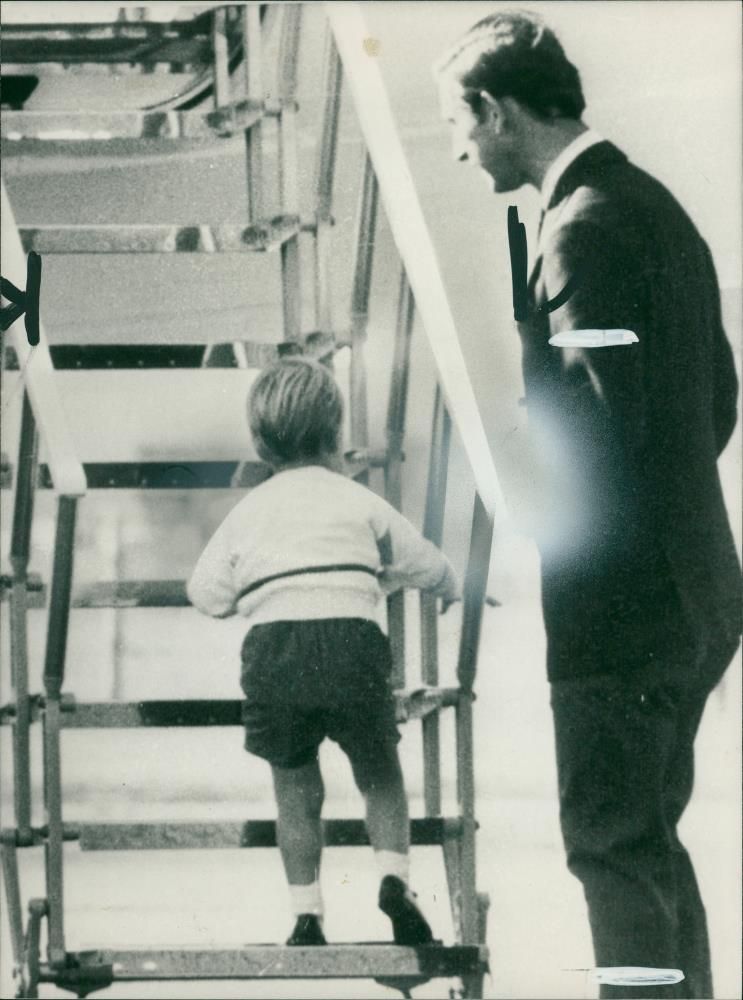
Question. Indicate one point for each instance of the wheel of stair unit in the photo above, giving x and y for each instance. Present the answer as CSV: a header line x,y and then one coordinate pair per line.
x,y
23,45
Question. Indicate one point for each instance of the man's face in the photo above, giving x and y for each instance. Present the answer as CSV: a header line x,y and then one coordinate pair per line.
x,y
481,139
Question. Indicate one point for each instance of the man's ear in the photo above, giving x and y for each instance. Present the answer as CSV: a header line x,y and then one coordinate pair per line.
x,y
492,110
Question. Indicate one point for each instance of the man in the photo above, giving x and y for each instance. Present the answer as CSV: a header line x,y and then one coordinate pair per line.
x,y
641,582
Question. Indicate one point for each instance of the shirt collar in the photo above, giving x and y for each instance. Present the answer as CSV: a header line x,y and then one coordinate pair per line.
x,y
563,160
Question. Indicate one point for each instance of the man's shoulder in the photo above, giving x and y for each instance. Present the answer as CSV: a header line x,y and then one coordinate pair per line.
x,y
620,193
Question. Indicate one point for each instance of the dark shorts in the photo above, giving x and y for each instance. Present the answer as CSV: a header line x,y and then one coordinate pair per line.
x,y
305,680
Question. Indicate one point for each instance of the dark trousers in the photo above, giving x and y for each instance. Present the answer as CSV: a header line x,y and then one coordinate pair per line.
x,y
625,761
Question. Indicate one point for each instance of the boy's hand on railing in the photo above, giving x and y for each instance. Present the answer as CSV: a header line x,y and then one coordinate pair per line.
x,y
446,602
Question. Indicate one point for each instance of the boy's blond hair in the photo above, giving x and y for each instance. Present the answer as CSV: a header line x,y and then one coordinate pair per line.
x,y
295,411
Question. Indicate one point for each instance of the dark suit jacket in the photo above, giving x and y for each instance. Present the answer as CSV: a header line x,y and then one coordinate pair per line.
x,y
639,567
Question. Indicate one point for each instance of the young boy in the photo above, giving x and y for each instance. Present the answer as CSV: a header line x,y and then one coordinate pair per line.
x,y
299,559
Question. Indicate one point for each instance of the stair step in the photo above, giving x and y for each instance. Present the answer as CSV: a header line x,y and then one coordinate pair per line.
x,y
266,961
147,238
183,475
166,475
132,594
409,704
144,42
108,126
428,831
231,354
414,703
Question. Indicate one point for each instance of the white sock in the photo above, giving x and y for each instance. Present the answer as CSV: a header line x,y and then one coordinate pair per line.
x,y
393,863
306,899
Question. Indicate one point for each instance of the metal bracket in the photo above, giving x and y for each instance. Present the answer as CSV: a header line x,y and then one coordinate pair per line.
x,y
82,979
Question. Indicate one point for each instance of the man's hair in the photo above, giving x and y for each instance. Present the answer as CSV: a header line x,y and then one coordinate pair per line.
x,y
519,57
295,411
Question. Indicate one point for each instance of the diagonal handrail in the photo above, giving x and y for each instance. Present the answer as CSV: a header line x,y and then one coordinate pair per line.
x,y
37,371
414,244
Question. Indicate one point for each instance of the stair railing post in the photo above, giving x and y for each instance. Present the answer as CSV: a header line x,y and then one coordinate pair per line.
x,y
254,92
474,598
289,169
324,185
19,556
54,664
221,52
396,411
433,529
12,895
360,295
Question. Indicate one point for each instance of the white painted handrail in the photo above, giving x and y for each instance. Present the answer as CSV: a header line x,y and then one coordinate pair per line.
x,y
414,243
37,371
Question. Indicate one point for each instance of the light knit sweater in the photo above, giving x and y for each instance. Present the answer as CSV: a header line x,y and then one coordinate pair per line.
x,y
306,517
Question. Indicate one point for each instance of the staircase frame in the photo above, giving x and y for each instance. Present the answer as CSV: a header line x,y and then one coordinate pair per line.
x,y
385,178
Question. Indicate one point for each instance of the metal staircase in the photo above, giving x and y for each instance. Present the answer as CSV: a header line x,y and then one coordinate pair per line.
x,y
223,49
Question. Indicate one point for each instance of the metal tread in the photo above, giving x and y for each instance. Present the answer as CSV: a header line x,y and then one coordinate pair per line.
x,y
166,475
111,126
409,704
414,703
145,42
160,238
426,831
132,594
271,961
227,354
188,475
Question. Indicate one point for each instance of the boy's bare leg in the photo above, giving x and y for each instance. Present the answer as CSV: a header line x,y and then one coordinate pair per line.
x,y
383,788
382,785
299,796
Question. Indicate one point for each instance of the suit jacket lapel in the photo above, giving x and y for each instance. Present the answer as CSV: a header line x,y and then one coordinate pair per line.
x,y
584,168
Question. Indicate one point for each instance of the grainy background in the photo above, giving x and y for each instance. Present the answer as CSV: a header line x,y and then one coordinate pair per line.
x,y
663,82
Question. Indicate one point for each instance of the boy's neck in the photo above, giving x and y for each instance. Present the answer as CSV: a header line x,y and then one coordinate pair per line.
x,y
332,462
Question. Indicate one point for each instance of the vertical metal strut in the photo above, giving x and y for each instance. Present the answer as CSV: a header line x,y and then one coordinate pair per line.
x,y
360,296
253,63
56,647
19,556
433,529
396,411
324,186
289,169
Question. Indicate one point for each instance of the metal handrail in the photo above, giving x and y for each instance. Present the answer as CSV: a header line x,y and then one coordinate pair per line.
x,y
37,372
414,244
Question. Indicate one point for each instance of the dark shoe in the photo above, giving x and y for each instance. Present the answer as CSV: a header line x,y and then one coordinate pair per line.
x,y
307,931
409,926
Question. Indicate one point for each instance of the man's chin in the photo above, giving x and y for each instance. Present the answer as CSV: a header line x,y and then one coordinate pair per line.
x,y
498,185
502,185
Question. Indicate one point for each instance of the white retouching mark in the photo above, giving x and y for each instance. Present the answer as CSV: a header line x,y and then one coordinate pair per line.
x,y
637,976
594,338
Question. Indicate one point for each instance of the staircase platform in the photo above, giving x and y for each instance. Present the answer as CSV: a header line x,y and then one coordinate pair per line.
x,y
145,238
266,961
